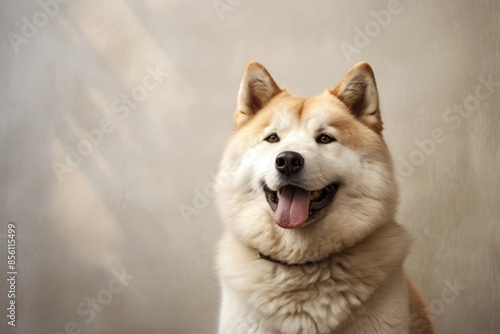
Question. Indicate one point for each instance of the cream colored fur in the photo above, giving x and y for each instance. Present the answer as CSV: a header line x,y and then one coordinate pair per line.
x,y
358,285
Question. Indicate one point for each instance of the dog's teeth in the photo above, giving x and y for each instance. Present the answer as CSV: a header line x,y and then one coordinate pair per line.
x,y
315,194
279,193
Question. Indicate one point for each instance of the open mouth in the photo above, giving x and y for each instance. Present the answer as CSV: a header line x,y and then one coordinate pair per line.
x,y
293,206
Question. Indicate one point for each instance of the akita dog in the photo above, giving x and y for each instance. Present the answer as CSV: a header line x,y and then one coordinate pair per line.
x,y
308,198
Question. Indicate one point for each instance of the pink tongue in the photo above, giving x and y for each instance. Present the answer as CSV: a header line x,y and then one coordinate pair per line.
x,y
293,207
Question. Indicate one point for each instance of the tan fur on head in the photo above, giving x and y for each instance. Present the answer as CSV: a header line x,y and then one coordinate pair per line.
x,y
262,108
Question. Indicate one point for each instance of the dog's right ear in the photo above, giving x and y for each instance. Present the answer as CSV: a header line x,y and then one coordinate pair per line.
x,y
257,88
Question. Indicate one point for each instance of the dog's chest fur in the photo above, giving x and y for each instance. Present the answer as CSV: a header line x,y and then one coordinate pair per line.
x,y
265,297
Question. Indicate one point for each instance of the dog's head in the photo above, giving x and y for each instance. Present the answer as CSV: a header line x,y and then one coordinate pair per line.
x,y
305,177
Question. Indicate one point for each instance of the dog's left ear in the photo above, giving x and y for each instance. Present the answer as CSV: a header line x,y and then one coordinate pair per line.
x,y
358,91
257,88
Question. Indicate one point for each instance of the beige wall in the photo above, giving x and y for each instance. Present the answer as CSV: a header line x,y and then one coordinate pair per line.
x,y
117,210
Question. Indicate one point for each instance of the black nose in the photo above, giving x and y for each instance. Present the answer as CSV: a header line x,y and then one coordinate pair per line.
x,y
289,162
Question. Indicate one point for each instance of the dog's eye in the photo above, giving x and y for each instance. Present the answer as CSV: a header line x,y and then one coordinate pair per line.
x,y
324,139
272,138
